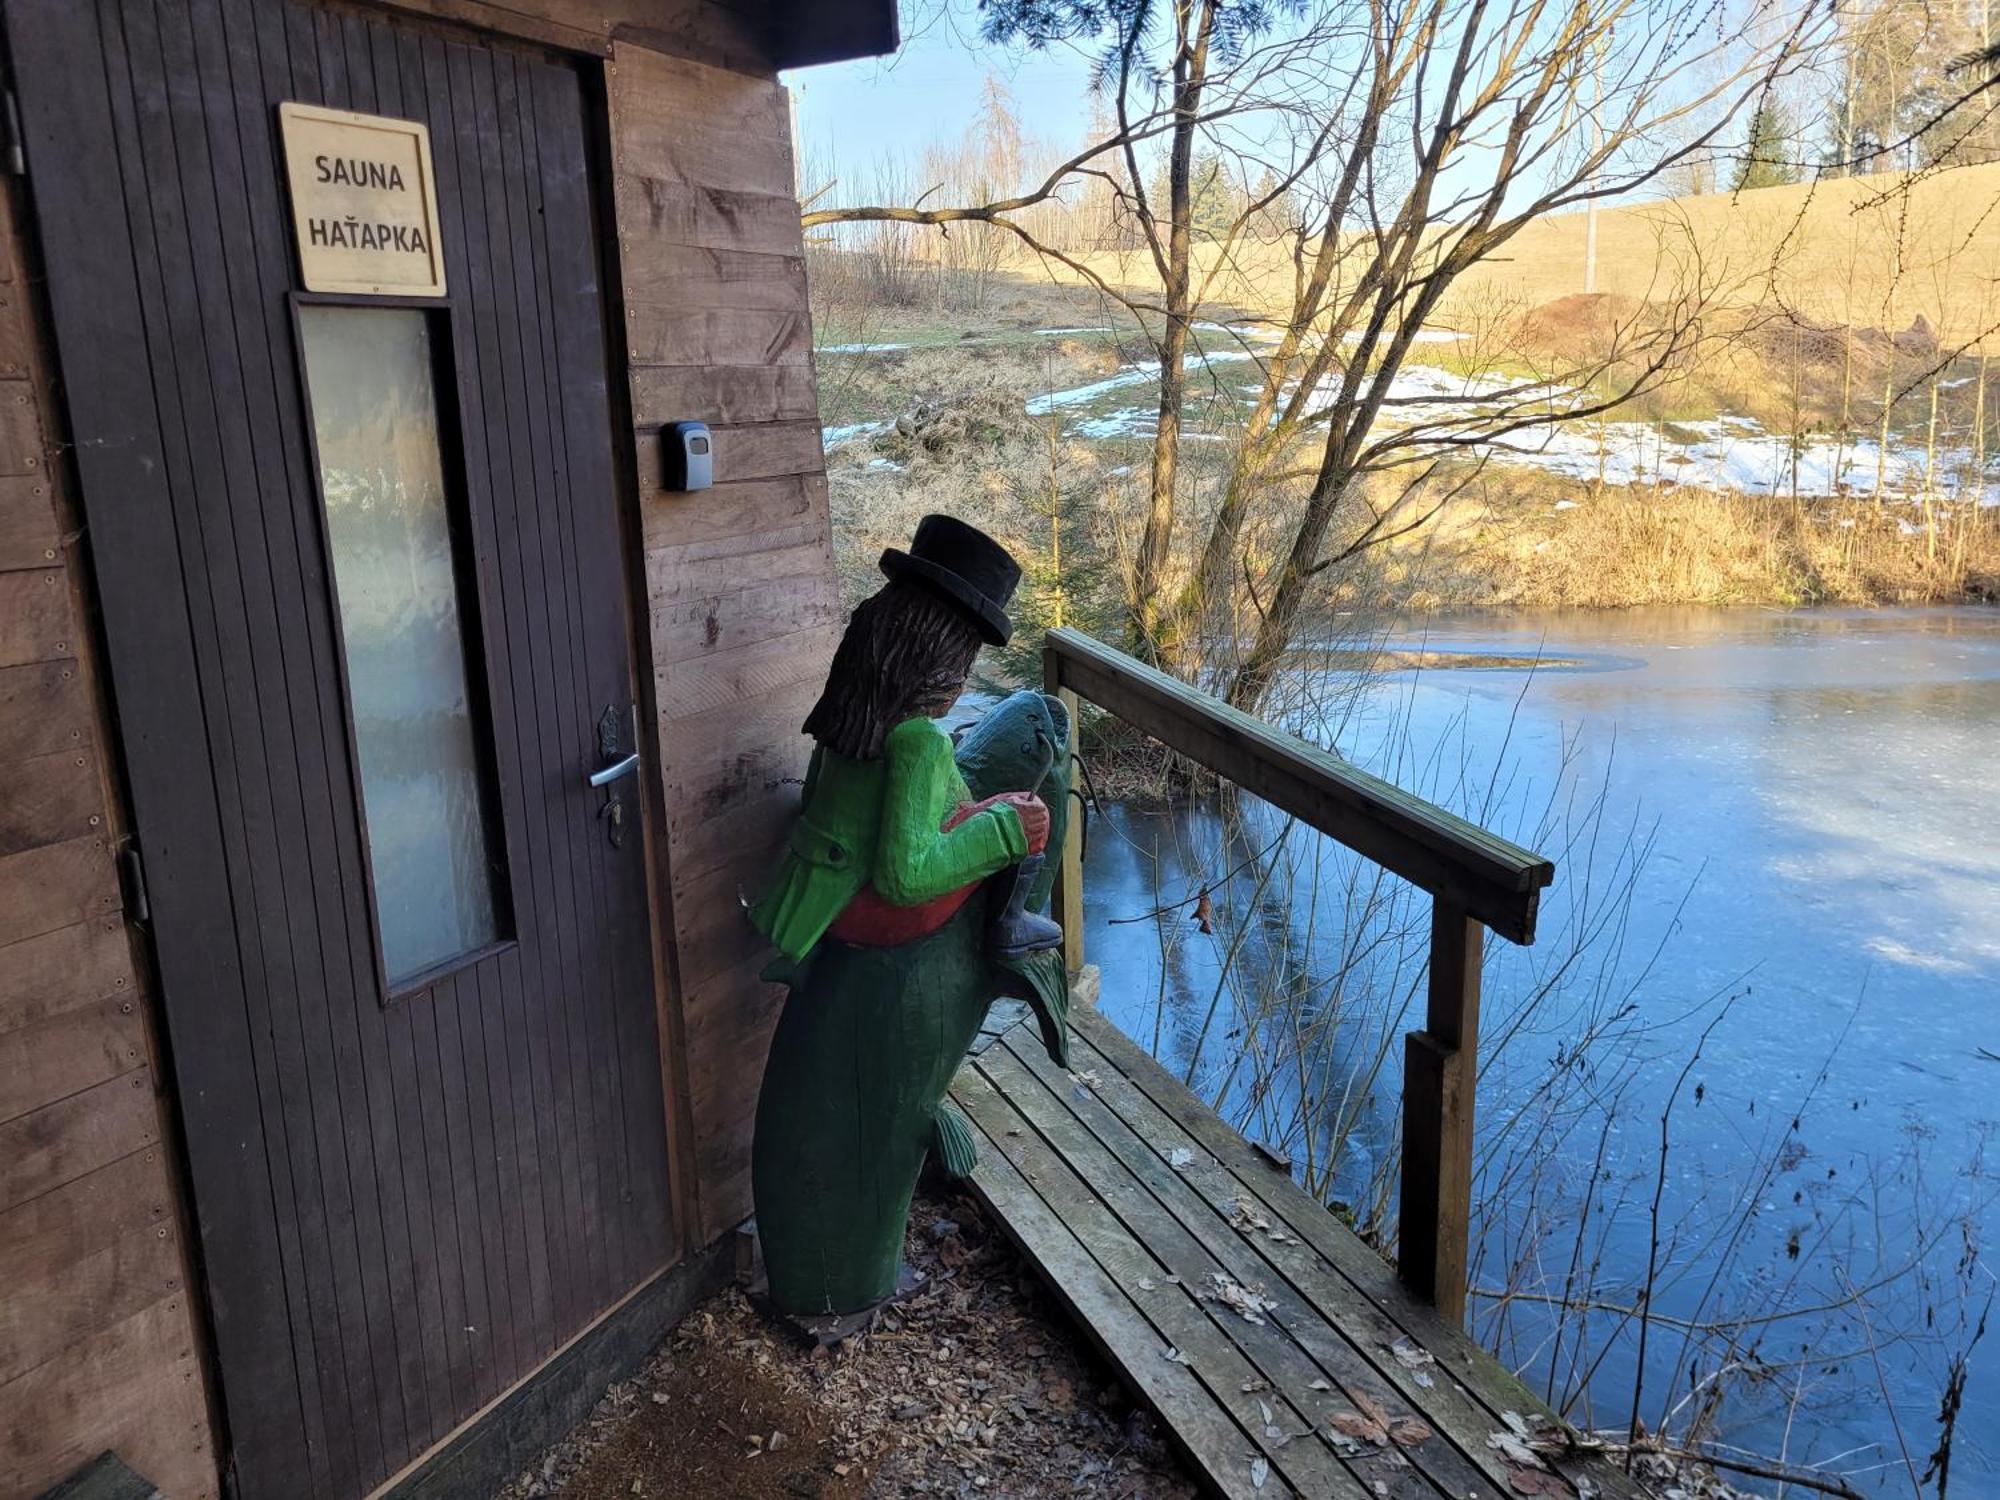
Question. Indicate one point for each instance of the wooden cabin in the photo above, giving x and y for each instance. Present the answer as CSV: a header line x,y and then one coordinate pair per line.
x,y
374,1088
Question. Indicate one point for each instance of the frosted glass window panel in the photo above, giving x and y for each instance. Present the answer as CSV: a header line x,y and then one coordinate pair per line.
x,y
425,785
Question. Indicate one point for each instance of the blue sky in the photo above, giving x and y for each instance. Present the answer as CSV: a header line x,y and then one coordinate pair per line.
x,y
876,107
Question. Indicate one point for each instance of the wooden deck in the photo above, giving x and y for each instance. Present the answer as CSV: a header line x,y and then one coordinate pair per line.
x,y
1146,1214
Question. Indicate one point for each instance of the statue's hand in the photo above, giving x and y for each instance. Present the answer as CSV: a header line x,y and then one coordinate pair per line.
x,y
1034,815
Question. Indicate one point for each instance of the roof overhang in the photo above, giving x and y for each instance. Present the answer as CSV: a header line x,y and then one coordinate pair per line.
x,y
804,32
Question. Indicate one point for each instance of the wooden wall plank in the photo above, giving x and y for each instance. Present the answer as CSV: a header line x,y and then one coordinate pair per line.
x,y
50,798
651,207
62,970
14,330
60,1142
658,270
44,706
35,619
89,1253
55,886
736,563
29,535
721,394
727,750
768,449
737,508
753,672
701,125
138,1382
20,430
763,450
723,621
69,1052
665,334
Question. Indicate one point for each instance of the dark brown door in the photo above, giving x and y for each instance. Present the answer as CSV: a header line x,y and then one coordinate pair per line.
x,y
360,571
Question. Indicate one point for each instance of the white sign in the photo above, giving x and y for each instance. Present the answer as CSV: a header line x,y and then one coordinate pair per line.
x,y
364,202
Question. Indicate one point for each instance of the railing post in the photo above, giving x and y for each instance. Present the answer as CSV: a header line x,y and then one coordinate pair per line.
x,y
1067,906
1440,1071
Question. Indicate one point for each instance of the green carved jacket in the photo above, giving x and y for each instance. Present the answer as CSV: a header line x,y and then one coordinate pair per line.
x,y
876,822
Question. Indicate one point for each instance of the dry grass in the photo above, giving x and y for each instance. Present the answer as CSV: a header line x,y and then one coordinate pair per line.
x,y
1879,250
1830,250
1619,547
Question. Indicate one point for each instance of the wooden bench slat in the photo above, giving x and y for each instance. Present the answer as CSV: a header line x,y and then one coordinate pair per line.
x,y
1381,1304
1195,1423
1324,1346
1163,1307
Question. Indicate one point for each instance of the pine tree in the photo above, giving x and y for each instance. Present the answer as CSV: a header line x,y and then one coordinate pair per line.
x,y
1766,160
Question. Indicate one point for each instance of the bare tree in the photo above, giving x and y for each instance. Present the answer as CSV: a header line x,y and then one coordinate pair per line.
x,y
1410,140
1465,129
1161,62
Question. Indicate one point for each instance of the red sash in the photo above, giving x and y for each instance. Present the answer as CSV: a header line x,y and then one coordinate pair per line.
x,y
871,922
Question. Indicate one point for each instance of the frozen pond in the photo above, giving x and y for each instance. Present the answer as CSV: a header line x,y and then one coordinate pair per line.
x,y
1786,825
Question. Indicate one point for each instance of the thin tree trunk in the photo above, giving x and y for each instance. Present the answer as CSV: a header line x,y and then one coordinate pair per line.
x,y
1274,632
1144,613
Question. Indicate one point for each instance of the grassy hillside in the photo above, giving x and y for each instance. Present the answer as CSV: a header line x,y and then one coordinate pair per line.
x,y
1877,251
1828,250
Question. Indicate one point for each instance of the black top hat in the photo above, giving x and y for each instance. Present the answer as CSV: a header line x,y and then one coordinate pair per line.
x,y
966,566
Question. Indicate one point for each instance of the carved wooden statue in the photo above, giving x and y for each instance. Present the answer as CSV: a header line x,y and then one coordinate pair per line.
x,y
909,899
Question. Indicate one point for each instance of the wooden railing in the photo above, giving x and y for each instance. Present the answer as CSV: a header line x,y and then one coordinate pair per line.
x,y
1476,880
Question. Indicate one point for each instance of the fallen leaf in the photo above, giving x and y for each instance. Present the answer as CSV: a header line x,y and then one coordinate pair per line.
x,y
1371,1409
1510,1446
1354,1425
1260,1470
1146,1283
1244,1216
1536,1482
1265,1408
1087,1079
1257,1384
1180,1157
1177,1357
1408,1432
1321,1385
1247,1302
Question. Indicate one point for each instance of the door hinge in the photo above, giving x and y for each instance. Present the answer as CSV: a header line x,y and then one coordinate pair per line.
x,y
13,150
132,883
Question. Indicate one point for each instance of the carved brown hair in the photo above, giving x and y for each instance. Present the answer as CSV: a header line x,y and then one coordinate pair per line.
x,y
906,652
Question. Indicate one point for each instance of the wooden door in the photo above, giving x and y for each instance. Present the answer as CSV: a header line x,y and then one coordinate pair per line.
x,y
422,1101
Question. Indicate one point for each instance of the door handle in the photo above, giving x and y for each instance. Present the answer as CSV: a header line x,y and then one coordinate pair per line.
x,y
615,770
612,765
